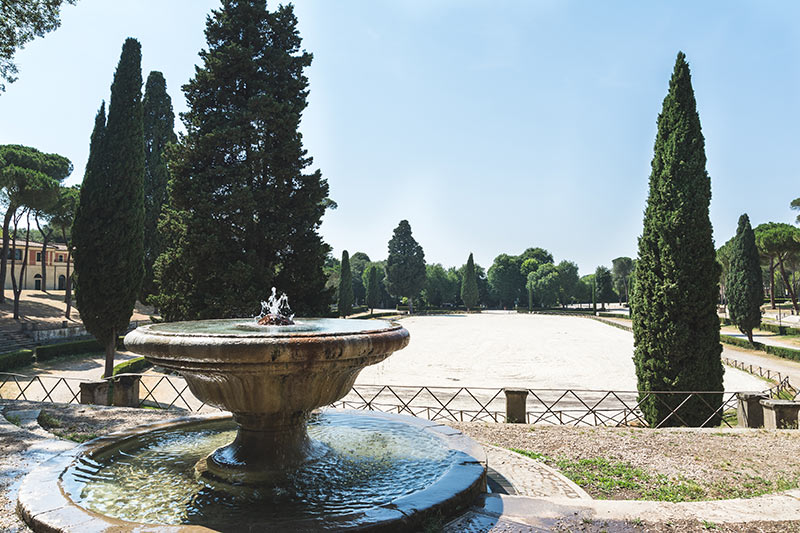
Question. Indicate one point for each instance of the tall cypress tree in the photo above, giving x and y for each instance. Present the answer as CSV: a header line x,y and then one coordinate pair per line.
x,y
108,232
405,266
159,130
373,290
676,328
244,215
469,285
345,287
744,287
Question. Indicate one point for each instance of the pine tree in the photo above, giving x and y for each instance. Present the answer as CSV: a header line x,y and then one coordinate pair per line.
x,y
405,266
159,125
469,285
604,285
108,231
243,215
744,288
675,326
373,290
345,287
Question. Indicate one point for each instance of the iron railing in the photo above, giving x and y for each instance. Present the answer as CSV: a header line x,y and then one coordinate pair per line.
x,y
575,407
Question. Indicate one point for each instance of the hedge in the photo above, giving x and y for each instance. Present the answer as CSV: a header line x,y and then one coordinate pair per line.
x,y
780,330
15,359
51,351
780,351
132,366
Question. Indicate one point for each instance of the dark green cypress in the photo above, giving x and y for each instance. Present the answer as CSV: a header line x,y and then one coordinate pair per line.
x,y
373,290
108,230
345,287
159,125
676,328
405,266
244,215
469,285
745,291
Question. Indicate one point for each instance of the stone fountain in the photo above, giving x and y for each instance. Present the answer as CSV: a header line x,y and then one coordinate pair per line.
x,y
271,377
359,470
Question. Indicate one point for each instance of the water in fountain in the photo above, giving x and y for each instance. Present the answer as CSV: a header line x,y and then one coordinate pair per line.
x,y
275,311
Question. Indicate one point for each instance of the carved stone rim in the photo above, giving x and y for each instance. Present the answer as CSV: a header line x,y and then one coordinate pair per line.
x,y
45,506
254,334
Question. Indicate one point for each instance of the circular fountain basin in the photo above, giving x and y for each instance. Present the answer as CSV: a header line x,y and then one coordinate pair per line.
x,y
242,367
370,472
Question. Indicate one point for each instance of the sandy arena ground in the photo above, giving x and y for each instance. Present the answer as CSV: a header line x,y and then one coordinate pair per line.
x,y
518,350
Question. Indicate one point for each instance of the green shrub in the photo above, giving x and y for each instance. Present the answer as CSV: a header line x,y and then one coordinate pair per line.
x,y
15,359
51,351
780,330
132,366
779,351
786,353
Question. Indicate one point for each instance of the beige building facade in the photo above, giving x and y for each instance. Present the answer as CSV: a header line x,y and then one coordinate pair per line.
x,y
55,264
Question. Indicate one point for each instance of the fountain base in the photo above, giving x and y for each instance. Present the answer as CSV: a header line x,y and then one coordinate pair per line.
x,y
264,450
376,472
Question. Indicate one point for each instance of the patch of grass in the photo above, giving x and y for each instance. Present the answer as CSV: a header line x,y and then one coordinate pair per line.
x,y
48,421
709,525
750,486
15,419
603,479
76,437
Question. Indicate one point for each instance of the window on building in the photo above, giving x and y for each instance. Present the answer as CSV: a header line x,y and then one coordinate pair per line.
x,y
60,258
17,254
38,257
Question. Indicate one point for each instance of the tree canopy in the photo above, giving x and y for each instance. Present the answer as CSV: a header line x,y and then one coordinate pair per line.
x,y
469,285
345,287
159,124
405,265
20,22
675,323
108,231
28,178
744,289
244,211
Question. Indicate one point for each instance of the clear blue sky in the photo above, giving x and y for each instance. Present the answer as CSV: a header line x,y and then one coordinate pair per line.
x,y
490,126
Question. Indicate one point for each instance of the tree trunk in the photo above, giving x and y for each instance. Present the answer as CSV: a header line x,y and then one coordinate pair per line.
x,y
4,257
45,238
787,284
68,284
17,288
749,334
111,350
772,282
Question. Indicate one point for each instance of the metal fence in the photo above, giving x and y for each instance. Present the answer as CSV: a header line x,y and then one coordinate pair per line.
x,y
574,407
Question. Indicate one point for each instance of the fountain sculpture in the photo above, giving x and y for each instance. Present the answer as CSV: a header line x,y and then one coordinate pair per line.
x,y
364,471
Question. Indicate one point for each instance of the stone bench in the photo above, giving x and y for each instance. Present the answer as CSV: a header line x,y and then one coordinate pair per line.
x,y
780,414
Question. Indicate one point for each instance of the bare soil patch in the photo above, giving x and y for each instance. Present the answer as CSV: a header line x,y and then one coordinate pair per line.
x,y
47,310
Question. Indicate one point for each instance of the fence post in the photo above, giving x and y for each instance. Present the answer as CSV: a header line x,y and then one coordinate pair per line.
x,y
95,392
749,412
516,405
126,391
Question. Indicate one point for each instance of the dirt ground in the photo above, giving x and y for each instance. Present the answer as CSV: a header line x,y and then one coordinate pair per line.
x,y
47,310
674,464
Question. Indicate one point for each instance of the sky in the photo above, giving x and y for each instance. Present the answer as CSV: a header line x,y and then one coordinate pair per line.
x,y
490,126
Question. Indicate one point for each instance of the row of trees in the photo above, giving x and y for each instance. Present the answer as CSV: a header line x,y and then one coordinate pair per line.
x,y
531,280
778,248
